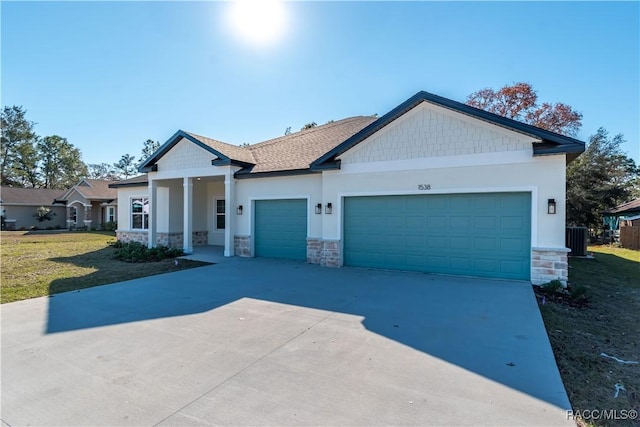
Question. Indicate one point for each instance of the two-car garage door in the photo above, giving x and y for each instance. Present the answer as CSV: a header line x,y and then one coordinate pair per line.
x,y
485,235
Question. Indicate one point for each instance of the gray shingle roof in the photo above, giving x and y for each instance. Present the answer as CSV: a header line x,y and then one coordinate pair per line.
x,y
232,151
297,150
29,196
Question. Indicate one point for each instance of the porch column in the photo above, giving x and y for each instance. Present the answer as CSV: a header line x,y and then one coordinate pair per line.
x,y
229,213
187,236
153,213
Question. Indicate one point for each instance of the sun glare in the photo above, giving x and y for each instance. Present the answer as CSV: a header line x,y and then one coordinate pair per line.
x,y
259,21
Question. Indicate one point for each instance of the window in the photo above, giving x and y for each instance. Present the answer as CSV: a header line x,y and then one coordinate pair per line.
x,y
111,214
73,214
220,215
140,213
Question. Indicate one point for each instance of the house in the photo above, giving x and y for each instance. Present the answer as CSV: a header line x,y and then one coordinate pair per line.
x,y
18,206
626,214
434,186
91,204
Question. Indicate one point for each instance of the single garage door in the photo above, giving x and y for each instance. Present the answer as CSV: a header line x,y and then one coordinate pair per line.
x,y
485,235
281,229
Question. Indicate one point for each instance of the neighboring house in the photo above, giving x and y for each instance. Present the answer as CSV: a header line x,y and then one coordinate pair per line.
x,y
18,206
626,214
433,186
91,203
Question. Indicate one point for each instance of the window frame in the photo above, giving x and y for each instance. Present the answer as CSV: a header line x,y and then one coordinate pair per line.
x,y
222,214
111,214
142,214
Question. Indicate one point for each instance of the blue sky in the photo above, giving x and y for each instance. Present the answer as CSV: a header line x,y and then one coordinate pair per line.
x,y
109,75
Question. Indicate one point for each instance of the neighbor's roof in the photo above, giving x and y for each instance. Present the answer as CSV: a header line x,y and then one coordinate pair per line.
x,y
136,181
629,207
318,148
93,189
29,196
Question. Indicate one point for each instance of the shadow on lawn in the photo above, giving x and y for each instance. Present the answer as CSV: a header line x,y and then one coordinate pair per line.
x,y
492,328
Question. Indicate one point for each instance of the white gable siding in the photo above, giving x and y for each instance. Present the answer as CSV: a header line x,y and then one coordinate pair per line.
x,y
432,131
185,155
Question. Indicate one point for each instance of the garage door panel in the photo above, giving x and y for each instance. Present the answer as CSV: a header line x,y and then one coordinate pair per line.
x,y
485,235
281,229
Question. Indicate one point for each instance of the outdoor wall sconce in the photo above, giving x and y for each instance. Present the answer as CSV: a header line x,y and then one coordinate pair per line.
x,y
328,209
319,208
239,210
551,206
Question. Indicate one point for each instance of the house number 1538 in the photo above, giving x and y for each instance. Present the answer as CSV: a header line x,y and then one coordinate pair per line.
x,y
424,186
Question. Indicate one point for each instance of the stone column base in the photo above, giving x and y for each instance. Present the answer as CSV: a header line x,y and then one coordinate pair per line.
x,y
327,253
549,264
242,246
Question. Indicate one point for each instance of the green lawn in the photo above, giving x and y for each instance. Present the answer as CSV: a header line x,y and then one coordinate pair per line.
x,y
36,264
610,324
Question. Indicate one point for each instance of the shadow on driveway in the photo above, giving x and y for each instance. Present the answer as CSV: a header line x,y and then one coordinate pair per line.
x,y
489,327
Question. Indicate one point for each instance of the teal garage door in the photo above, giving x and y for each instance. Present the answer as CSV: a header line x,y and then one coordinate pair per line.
x,y
484,235
281,229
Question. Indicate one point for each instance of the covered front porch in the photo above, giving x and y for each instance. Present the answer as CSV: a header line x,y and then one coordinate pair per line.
x,y
201,207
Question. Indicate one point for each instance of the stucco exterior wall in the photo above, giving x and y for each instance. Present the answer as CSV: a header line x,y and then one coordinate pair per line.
x,y
544,177
125,195
25,219
307,187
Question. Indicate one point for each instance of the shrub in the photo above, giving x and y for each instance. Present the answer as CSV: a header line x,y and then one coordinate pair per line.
x,y
110,226
44,214
579,293
139,252
553,287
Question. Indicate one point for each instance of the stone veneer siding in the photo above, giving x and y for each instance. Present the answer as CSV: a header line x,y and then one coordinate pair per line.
x,y
242,246
172,240
327,253
549,264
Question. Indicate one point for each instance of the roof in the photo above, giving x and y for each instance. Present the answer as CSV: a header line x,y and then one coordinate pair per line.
x,y
93,189
550,142
298,150
318,148
626,208
136,181
29,196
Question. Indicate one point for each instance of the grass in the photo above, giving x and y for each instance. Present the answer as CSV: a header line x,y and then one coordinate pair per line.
x,y
36,264
609,324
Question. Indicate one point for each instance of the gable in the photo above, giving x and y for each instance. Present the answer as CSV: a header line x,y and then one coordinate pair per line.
x,y
428,131
73,195
185,155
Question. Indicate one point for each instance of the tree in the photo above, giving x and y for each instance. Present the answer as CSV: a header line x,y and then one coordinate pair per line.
x,y
61,162
309,125
519,102
287,131
150,146
16,138
126,166
600,179
102,171
44,214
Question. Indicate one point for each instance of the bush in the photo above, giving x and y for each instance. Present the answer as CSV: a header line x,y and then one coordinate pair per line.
x,y
553,287
579,293
138,252
110,226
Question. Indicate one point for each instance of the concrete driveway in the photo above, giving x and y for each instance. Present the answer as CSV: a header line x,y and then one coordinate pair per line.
x,y
269,342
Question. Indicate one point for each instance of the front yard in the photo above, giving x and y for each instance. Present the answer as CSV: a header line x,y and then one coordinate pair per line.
x,y
36,264
610,324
